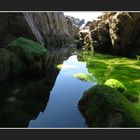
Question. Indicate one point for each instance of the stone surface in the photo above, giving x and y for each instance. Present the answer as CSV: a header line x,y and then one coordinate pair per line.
x,y
117,33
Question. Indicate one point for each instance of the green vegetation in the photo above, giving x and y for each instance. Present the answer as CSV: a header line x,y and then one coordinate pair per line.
x,y
115,84
84,77
32,54
125,70
17,65
27,49
20,56
59,66
103,106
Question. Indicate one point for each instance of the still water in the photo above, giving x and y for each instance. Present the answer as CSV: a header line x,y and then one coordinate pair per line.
x,y
62,108
50,101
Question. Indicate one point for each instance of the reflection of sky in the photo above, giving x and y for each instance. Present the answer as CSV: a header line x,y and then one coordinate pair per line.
x,y
61,110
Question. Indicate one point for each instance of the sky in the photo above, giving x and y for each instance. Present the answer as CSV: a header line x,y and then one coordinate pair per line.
x,y
88,16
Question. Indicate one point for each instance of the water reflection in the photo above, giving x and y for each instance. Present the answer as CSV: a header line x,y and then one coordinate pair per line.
x,y
62,108
23,99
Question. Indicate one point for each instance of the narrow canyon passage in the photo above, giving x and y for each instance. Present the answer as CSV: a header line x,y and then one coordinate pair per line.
x,y
62,110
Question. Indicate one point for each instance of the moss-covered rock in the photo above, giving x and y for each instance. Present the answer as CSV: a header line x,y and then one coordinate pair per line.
x,y
103,106
5,57
17,66
10,64
84,77
20,56
113,83
31,53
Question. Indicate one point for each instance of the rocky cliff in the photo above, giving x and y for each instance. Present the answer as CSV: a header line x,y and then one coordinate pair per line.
x,y
48,28
117,33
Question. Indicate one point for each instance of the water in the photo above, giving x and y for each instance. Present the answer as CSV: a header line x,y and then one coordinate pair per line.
x,y
62,108
50,101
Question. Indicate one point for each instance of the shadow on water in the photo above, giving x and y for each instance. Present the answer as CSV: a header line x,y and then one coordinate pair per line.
x,y
62,111
24,98
27,102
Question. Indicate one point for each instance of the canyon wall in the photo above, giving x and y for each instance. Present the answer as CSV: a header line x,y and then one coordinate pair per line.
x,y
48,28
117,33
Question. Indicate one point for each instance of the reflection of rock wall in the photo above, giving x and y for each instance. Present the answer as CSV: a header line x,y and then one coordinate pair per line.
x,y
24,99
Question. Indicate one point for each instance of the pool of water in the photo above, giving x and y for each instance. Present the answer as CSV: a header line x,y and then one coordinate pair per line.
x,y
49,100
62,110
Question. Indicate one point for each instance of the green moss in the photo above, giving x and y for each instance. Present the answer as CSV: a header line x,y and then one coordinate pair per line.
x,y
5,57
31,53
17,66
113,83
27,49
125,70
59,66
100,104
84,77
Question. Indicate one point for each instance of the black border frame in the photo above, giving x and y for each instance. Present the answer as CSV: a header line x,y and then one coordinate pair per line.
x,y
70,5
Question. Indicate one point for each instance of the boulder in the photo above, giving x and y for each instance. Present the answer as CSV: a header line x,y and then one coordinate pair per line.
x,y
5,57
103,106
32,54
113,83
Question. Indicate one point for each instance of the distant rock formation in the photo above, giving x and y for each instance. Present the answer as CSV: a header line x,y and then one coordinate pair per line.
x,y
76,21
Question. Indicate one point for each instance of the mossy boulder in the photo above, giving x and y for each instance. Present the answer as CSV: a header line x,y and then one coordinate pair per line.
x,y
103,106
31,53
10,64
17,65
5,57
84,77
113,83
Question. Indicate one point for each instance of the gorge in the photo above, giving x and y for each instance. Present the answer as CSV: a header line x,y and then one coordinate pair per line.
x,y
55,73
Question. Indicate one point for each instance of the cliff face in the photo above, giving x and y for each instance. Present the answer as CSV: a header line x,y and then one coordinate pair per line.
x,y
48,28
13,25
117,33
124,29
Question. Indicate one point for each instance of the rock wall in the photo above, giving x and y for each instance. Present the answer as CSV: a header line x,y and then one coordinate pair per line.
x,y
13,25
117,33
51,28
48,28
